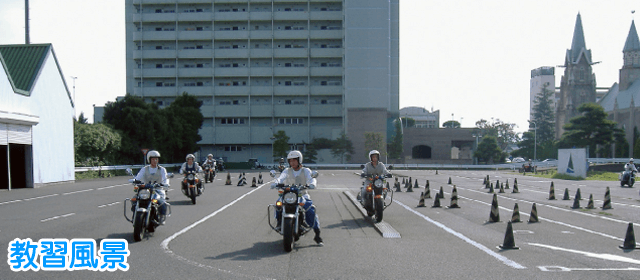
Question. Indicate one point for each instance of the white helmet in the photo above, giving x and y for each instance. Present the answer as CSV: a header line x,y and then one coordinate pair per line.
x,y
152,154
209,155
295,154
190,156
631,160
374,152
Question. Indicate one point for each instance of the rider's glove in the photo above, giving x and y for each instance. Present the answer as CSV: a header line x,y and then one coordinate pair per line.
x,y
312,186
274,185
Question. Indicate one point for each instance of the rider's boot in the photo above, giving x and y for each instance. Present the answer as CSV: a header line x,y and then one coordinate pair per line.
x,y
318,239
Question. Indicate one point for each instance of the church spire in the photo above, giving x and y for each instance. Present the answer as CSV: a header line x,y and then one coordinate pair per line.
x,y
578,45
633,43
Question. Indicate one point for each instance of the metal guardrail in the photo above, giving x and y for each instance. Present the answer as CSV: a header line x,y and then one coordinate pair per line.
x,y
120,167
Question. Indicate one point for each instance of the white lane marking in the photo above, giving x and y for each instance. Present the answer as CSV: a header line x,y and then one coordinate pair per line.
x,y
77,191
109,204
466,239
57,217
39,197
554,268
608,257
11,201
111,186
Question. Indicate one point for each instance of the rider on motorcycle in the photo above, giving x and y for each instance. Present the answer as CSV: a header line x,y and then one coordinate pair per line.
x,y
374,167
155,173
296,174
630,166
191,166
211,161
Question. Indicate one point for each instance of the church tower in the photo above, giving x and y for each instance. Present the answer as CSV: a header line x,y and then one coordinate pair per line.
x,y
631,55
578,83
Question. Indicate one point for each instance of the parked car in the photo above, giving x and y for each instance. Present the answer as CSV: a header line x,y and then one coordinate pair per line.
x,y
518,159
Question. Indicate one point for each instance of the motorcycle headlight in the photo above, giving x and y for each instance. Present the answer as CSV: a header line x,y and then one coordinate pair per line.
x,y
144,194
190,176
378,183
290,198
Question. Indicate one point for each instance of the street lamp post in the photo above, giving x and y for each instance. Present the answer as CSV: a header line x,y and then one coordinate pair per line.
x,y
535,139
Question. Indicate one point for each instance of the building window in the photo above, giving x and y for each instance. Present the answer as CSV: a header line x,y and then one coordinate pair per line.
x,y
158,84
232,121
233,148
291,121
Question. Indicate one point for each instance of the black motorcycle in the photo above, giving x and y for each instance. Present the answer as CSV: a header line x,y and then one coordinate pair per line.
x,y
627,178
191,186
209,173
374,195
145,207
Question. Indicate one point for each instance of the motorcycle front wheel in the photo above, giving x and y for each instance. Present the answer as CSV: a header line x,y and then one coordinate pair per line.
x,y
138,227
379,204
288,233
193,194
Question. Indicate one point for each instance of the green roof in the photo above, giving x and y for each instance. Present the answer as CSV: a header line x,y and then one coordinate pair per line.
x,y
23,63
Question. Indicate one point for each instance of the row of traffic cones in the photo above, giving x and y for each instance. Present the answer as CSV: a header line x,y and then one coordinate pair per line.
x,y
436,202
578,197
243,181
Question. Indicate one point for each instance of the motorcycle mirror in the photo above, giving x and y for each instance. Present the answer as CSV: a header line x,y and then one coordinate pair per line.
x,y
132,180
129,171
272,173
361,166
170,175
390,167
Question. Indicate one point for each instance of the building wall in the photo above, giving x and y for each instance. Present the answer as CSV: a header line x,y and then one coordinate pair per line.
x,y
539,78
441,141
362,121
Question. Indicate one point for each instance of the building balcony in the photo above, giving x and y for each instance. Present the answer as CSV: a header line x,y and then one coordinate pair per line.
x,y
154,17
231,16
229,111
231,72
146,2
154,35
326,15
261,71
231,53
291,34
261,90
232,91
154,72
259,15
261,111
194,35
195,17
290,15
326,52
207,111
193,53
261,135
231,35
232,134
291,71
297,133
195,72
293,52
156,91
197,91
256,53
326,34
327,90
291,110
261,34
326,110
326,71
154,54
207,134
291,90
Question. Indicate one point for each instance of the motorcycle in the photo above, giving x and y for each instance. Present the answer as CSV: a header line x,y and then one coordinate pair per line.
x,y
209,173
375,194
191,186
627,178
220,164
292,213
146,210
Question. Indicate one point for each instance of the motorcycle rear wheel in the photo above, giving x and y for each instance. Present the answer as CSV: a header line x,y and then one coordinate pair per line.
x,y
138,227
288,234
379,204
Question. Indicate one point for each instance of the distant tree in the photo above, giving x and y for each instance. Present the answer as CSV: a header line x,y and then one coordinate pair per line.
x,y
342,148
451,124
280,144
182,123
622,146
591,128
396,145
503,132
489,152
82,119
96,144
544,116
375,141
525,145
408,122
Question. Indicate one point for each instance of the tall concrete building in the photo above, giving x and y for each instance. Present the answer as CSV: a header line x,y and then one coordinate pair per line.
x,y
541,78
578,83
311,68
